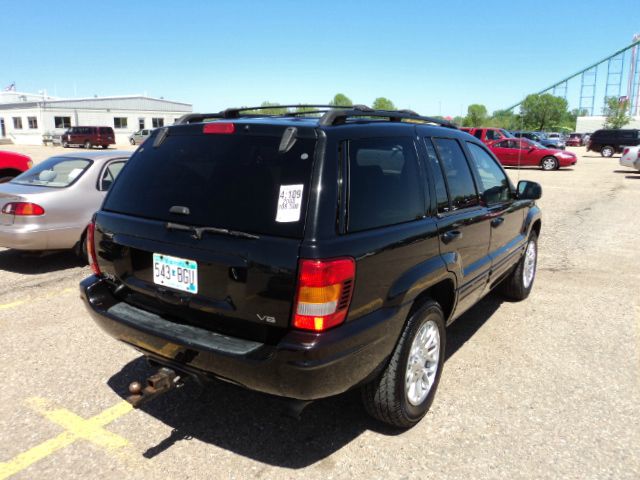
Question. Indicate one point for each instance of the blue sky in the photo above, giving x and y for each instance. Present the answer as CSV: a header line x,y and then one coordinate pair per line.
x,y
434,57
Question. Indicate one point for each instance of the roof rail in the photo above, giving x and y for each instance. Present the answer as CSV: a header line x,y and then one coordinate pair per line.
x,y
196,117
331,114
337,117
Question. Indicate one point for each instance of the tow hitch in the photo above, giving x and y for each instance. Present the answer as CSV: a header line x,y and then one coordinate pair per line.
x,y
160,382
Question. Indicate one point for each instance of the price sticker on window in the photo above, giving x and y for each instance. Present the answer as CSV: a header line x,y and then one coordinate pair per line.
x,y
289,203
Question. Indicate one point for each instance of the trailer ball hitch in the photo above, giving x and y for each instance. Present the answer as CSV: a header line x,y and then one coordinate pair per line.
x,y
160,382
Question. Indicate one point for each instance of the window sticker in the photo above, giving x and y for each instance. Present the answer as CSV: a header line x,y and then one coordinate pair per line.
x,y
289,203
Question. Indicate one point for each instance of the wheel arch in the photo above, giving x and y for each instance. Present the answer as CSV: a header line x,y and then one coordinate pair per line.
x,y
8,172
443,293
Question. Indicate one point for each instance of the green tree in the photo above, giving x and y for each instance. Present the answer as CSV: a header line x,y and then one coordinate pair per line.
x,y
540,111
274,110
616,112
382,103
341,100
505,119
476,115
458,120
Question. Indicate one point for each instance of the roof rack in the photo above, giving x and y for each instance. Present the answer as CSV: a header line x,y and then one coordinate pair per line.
x,y
331,114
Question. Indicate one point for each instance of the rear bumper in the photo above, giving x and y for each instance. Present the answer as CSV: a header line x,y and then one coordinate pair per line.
x,y
23,237
303,365
34,237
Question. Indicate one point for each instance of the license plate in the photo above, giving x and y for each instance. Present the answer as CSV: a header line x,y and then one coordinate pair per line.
x,y
175,272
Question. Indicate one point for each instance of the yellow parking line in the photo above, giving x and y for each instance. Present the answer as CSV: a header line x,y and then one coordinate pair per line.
x,y
47,296
75,427
35,454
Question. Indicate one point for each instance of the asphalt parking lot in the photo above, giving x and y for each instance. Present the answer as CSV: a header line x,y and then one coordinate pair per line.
x,y
545,388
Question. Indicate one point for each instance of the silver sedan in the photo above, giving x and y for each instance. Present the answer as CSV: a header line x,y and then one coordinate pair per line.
x,y
49,206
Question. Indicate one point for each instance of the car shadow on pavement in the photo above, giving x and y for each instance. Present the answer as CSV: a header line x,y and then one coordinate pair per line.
x,y
255,425
27,263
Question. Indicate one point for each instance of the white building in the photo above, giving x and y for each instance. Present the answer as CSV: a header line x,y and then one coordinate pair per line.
x,y
596,122
24,118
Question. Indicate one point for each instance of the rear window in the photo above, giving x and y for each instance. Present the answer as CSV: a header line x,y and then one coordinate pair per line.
x,y
56,172
239,182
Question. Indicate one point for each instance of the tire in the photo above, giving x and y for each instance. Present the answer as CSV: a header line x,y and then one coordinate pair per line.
x,y
65,145
387,398
132,141
6,179
80,249
87,144
607,151
517,286
105,146
549,163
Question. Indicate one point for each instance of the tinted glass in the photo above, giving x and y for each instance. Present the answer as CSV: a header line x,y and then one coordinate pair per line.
x,y
227,181
384,183
459,180
478,134
56,172
442,198
109,175
494,186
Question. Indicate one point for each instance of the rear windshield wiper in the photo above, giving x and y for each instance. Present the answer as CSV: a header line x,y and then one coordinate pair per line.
x,y
197,232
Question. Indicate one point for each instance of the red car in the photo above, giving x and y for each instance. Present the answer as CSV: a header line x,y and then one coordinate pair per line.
x,y
13,164
487,135
575,140
523,152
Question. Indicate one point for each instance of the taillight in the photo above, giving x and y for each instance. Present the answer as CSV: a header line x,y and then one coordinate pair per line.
x,y
91,248
29,164
323,293
25,209
625,151
219,127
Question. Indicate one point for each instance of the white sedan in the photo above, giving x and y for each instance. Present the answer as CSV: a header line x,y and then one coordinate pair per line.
x,y
631,157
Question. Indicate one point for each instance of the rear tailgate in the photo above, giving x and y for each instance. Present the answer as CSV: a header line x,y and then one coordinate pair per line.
x,y
243,284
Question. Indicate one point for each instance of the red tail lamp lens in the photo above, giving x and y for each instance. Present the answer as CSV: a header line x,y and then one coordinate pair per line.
x,y
23,209
219,128
324,293
91,249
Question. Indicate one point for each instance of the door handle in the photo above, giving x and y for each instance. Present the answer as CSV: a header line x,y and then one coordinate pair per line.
x,y
451,235
496,222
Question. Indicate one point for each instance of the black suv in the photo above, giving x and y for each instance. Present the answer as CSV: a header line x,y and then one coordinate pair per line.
x,y
608,142
306,254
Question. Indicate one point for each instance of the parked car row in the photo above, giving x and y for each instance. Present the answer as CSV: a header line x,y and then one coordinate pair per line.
x,y
521,149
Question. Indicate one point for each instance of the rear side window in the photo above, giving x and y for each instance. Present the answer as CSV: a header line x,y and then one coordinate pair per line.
x,y
385,187
462,190
494,186
237,181
442,198
478,134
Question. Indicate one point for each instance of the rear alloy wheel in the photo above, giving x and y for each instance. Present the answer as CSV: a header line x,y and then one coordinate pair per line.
x,y
87,144
549,163
403,392
518,285
132,141
607,151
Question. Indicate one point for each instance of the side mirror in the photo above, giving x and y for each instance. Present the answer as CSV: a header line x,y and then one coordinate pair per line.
x,y
529,190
